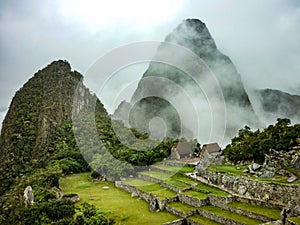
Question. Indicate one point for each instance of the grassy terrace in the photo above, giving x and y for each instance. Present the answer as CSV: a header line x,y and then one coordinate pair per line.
x,y
202,220
195,194
211,190
118,202
230,215
176,183
175,169
270,213
185,208
157,175
229,169
295,220
184,179
149,187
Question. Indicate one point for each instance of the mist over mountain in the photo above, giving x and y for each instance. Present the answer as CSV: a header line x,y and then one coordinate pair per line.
x,y
164,103
272,104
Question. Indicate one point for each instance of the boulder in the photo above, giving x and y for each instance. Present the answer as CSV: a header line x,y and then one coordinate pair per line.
x,y
268,172
134,194
255,166
242,190
296,162
292,178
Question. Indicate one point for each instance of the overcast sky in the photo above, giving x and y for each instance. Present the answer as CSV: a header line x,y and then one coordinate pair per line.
x,y
261,37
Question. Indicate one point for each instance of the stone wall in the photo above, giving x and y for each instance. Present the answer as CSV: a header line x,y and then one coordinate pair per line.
x,y
176,222
148,178
192,201
148,197
219,219
253,188
180,213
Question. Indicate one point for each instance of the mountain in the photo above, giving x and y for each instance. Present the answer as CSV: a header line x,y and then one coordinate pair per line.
x,y
278,104
193,35
38,124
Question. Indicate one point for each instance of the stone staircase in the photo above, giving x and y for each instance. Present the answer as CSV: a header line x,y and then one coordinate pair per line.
x,y
167,187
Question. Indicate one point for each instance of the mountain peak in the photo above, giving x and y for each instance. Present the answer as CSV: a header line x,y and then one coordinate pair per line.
x,y
194,35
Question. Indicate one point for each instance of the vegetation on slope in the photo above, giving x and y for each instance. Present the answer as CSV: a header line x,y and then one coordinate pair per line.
x,y
253,145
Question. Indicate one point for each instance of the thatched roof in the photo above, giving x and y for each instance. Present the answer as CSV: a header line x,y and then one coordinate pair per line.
x,y
211,148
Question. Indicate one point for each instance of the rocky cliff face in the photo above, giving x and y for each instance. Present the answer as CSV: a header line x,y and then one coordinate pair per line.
x,y
39,120
278,104
193,35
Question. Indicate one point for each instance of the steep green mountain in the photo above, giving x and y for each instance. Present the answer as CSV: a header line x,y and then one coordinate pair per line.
x,y
37,127
46,134
37,145
276,103
193,35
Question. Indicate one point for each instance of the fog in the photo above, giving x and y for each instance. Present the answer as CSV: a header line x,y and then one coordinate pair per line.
x,y
260,37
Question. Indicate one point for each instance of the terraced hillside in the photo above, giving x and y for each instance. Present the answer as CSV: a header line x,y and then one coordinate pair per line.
x,y
193,201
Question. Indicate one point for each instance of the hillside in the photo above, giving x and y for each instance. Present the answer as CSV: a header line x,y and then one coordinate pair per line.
x,y
37,142
46,134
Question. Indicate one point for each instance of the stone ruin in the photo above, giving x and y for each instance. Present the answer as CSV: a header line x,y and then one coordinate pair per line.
x,y
285,163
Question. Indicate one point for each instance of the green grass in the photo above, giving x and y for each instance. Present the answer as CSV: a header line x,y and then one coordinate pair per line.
x,y
277,179
270,213
203,220
157,175
229,169
184,179
176,183
149,187
175,169
211,190
185,208
164,193
125,209
195,194
230,215
137,182
295,219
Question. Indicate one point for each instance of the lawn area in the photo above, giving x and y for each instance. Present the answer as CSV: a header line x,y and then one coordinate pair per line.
x,y
118,202
230,215
182,207
195,194
202,220
270,213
